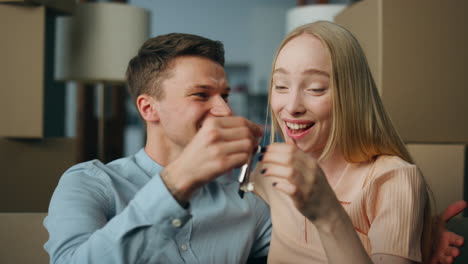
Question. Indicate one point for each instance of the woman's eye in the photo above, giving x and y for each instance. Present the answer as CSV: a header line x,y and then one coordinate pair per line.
x,y
317,90
280,88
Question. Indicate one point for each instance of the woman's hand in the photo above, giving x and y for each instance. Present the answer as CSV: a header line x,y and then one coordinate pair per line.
x,y
298,175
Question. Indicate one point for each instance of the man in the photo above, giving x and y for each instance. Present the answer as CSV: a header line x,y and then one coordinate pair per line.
x,y
169,203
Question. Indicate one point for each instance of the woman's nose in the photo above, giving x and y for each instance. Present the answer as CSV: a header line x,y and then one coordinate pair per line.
x,y
294,104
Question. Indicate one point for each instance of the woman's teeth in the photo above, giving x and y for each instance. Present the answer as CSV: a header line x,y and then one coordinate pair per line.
x,y
298,127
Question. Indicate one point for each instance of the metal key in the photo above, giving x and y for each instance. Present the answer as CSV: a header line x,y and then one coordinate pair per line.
x,y
244,176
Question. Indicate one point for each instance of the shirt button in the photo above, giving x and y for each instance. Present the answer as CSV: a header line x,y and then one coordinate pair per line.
x,y
183,247
176,222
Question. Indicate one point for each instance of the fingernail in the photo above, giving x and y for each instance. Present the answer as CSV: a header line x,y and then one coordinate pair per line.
x,y
274,184
263,171
260,158
263,149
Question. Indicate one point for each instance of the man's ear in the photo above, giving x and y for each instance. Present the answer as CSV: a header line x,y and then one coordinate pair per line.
x,y
148,108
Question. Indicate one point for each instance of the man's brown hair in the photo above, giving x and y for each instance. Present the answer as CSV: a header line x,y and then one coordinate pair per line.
x,y
151,65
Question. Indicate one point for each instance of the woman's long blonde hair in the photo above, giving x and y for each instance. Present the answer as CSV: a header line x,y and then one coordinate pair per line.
x,y
361,128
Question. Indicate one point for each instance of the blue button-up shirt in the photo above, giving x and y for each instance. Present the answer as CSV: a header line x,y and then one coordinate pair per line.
x,y
122,212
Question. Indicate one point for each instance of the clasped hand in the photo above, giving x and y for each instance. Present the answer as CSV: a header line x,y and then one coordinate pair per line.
x,y
221,144
298,175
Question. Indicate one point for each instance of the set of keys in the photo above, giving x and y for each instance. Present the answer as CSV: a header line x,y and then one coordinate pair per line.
x,y
244,177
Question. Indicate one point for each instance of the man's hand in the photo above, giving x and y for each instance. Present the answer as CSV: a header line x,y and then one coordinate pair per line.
x,y
221,144
446,242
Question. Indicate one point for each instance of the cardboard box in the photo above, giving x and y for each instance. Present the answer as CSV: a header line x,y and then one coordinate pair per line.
x,y
418,55
31,170
66,6
23,237
445,167
31,103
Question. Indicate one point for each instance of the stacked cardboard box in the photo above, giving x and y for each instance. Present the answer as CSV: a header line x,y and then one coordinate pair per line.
x,y
32,104
33,152
66,6
31,109
22,238
444,167
418,56
31,170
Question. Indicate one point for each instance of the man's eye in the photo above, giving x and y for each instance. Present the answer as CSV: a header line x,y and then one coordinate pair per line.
x,y
201,95
225,97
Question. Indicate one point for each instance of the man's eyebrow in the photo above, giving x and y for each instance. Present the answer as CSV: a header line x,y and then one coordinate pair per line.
x,y
306,71
202,86
208,87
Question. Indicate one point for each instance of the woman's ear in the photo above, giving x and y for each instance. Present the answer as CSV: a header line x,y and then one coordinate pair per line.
x,y
148,108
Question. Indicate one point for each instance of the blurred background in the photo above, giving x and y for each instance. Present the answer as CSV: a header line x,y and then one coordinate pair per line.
x,y
251,30
63,97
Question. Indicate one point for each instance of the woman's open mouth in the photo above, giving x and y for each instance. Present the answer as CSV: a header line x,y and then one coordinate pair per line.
x,y
299,129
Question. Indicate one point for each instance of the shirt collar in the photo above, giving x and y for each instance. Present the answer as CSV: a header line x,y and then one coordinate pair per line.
x,y
147,164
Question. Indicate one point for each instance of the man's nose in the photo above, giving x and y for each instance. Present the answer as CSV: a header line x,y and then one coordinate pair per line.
x,y
220,107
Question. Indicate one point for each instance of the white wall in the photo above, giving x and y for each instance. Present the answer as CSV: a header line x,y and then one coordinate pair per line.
x,y
227,21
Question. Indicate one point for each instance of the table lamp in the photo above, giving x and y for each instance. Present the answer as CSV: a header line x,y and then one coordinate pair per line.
x,y
95,45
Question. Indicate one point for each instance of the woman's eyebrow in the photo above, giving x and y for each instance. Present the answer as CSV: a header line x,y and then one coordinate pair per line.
x,y
306,71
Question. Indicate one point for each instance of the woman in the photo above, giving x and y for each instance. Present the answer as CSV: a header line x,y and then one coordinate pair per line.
x,y
342,188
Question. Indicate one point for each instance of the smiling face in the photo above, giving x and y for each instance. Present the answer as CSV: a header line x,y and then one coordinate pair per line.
x,y
195,90
301,96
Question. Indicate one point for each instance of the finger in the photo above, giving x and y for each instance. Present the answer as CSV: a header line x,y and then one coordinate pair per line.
x,y
448,238
297,163
233,161
281,147
232,147
237,121
282,153
452,251
453,209
278,171
460,241
277,157
285,187
446,260
229,134
455,239
231,122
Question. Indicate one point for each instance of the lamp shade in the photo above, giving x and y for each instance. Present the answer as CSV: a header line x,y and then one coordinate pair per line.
x,y
96,44
302,15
